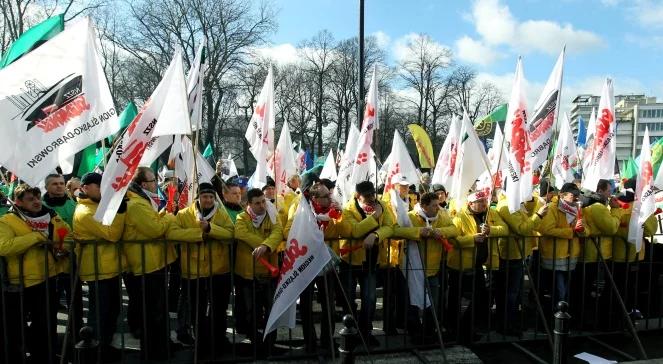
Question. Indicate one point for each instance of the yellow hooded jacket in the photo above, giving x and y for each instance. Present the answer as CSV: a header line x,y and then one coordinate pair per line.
x,y
361,227
202,256
558,239
20,244
250,238
143,223
622,250
462,256
602,221
111,260
522,224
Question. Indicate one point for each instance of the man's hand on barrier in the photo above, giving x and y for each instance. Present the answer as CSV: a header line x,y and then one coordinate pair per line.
x,y
479,238
377,212
485,229
204,226
543,211
425,232
370,240
260,251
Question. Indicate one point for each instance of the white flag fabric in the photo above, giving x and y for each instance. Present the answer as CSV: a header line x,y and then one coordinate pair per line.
x,y
344,187
54,102
589,142
472,161
167,103
185,167
305,256
260,132
565,159
604,146
645,202
194,89
228,168
400,164
498,163
519,176
361,169
156,147
446,161
413,268
300,159
282,163
329,169
540,126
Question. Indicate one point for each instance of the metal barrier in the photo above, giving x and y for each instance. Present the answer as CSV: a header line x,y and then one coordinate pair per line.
x,y
196,289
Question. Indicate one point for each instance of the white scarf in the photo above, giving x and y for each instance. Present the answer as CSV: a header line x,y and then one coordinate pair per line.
x,y
571,211
258,219
153,197
39,223
210,215
429,220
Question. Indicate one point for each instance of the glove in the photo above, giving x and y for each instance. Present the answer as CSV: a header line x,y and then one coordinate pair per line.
x,y
123,206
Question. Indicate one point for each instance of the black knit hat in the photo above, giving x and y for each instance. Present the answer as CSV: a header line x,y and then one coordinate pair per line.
x,y
206,187
365,188
570,188
270,183
545,186
91,178
438,188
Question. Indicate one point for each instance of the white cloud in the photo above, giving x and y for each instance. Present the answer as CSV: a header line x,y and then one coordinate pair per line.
x,y
285,53
648,13
475,51
549,37
382,39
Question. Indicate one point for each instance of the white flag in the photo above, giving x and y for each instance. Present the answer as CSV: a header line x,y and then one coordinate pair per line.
x,y
565,159
194,88
156,147
519,176
604,146
589,142
344,187
446,161
472,161
54,102
185,167
228,168
282,163
361,169
329,169
167,103
260,132
645,202
540,126
400,164
498,163
305,256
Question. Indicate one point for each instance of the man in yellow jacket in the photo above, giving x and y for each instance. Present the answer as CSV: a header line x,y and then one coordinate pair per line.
x,y
478,226
259,233
372,227
431,227
148,260
102,262
29,234
205,231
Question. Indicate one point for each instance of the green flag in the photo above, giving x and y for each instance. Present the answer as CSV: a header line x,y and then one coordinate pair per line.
x,y
485,125
33,38
657,155
208,151
128,114
631,169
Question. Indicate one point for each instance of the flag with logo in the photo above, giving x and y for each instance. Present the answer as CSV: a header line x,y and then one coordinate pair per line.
x,y
540,126
472,161
282,165
304,257
361,169
344,188
589,141
498,164
400,164
519,174
565,157
329,168
446,160
644,204
260,132
186,168
602,162
165,112
484,125
54,102
423,144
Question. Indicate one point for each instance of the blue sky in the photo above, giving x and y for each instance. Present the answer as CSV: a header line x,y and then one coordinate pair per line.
x,y
617,38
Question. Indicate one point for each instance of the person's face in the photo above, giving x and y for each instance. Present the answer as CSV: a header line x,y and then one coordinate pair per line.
x,y
206,201
549,196
568,197
479,206
270,192
295,182
92,191
73,186
403,190
258,205
604,193
30,202
56,186
432,208
441,197
366,199
150,182
323,197
233,195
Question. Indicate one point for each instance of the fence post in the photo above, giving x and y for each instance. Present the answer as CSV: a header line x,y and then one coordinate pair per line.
x,y
561,333
86,349
349,334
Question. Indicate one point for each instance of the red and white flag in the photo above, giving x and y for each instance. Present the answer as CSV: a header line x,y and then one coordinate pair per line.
x,y
164,112
589,141
304,257
604,146
260,132
185,168
645,202
400,164
498,164
540,126
361,170
282,164
329,169
344,188
565,159
54,102
472,161
519,174
446,161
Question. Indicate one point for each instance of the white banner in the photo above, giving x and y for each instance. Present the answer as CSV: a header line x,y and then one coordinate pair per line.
x,y
329,169
400,164
260,132
194,88
54,102
565,159
282,162
361,170
446,161
472,161
645,201
604,146
305,256
344,190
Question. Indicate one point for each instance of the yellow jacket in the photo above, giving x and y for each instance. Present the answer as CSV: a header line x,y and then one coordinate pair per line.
x,y
202,256
18,243
602,221
521,224
430,250
250,238
558,240
622,250
360,228
462,257
143,223
111,260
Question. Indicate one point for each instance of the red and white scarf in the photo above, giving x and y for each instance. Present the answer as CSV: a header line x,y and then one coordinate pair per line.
x,y
258,219
570,210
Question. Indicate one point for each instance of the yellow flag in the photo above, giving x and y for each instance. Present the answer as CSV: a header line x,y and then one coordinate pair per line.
x,y
424,146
